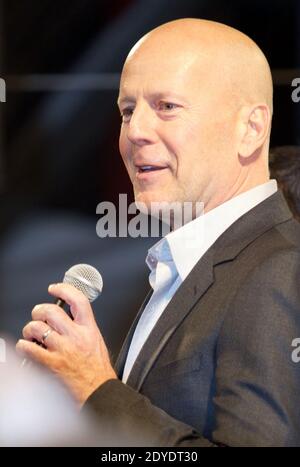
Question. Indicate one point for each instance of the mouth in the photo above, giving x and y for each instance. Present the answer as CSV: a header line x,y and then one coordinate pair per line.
x,y
147,171
149,168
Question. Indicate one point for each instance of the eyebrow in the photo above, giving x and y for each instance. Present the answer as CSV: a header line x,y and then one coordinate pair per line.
x,y
124,100
156,95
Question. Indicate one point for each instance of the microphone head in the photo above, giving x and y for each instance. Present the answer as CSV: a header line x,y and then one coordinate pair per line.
x,y
86,279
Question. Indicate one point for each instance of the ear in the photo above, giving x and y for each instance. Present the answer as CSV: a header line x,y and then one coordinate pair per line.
x,y
254,129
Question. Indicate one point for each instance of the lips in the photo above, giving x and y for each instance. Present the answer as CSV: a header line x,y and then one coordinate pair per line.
x,y
149,172
149,168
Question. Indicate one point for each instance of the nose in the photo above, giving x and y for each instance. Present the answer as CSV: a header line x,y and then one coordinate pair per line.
x,y
141,127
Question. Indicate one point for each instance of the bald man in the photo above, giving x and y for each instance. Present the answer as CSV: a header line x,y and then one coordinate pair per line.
x,y
209,360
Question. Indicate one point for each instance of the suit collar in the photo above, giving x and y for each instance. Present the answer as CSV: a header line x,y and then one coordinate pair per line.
x,y
263,217
190,242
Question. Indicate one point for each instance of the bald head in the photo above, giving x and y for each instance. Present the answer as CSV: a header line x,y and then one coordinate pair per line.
x,y
196,100
234,61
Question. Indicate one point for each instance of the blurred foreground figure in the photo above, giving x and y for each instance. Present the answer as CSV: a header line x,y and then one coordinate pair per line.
x,y
36,410
285,167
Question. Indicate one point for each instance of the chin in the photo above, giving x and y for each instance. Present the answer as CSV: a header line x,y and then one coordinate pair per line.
x,y
143,202
151,197
146,200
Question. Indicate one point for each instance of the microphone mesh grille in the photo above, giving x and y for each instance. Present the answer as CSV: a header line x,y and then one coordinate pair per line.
x,y
86,279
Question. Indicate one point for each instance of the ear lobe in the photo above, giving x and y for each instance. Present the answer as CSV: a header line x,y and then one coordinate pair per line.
x,y
256,128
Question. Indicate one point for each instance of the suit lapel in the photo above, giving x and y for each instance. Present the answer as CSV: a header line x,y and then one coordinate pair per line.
x,y
181,304
120,362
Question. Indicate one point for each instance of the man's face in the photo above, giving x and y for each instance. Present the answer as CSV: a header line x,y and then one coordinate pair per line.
x,y
177,129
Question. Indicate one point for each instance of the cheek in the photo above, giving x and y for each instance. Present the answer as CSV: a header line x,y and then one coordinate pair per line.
x,y
121,142
180,138
186,142
124,148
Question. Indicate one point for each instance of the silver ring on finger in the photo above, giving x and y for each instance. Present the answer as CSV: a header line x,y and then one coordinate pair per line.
x,y
46,334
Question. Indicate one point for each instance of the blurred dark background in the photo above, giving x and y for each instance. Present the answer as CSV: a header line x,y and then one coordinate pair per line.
x,y
59,137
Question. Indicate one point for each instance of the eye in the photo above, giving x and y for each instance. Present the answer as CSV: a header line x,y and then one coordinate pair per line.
x,y
167,106
126,113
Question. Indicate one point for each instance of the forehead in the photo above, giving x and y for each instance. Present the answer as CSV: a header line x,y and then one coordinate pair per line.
x,y
161,72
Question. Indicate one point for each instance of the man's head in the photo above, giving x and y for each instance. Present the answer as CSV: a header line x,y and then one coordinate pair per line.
x,y
196,102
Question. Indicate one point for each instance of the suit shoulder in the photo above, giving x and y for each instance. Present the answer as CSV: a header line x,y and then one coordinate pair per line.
x,y
290,232
279,244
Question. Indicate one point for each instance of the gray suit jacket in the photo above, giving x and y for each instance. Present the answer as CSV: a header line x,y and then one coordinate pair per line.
x,y
217,369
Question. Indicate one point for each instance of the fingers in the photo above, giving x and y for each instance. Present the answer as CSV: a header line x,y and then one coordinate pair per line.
x,y
80,307
33,351
55,316
36,330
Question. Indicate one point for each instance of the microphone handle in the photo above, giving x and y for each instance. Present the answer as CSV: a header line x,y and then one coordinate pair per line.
x,y
60,303
64,306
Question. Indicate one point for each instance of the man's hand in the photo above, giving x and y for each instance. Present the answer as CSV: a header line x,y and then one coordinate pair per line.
x,y
75,350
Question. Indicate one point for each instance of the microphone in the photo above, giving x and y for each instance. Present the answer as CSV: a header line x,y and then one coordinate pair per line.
x,y
85,278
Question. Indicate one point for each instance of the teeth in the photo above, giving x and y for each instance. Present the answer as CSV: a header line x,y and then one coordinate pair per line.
x,y
146,168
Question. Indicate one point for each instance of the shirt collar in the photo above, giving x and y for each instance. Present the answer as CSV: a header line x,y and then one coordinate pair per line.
x,y
186,245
